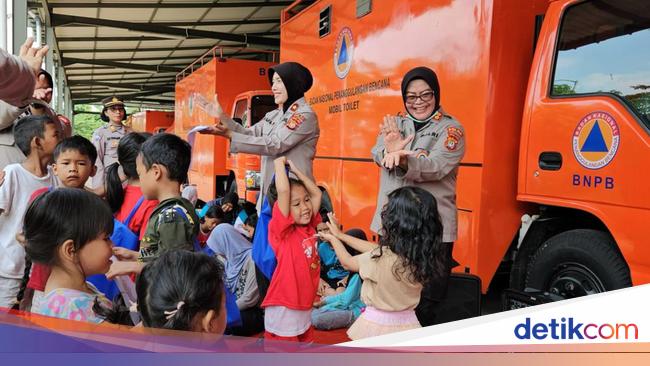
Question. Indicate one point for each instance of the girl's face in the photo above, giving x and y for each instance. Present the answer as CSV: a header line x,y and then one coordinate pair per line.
x,y
95,256
280,94
218,324
420,100
210,322
300,206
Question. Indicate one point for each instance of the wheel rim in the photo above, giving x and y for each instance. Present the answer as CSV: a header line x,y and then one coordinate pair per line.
x,y
571,280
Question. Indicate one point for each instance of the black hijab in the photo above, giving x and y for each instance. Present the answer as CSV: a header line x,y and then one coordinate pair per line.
x,y
296,78
429,77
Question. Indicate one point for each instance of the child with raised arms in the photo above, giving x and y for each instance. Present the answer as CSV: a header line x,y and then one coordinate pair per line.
x,y
288,302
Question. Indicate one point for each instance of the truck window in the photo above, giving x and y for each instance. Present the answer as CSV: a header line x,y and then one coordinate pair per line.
x,y
603,48
261,105
240,111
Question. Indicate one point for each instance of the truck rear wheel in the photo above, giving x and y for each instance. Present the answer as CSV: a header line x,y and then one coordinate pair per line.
x,y
578,263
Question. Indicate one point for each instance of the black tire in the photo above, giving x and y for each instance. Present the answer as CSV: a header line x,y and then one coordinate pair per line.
x,y
577,263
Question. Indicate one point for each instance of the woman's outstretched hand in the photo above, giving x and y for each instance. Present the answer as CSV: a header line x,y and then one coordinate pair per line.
x,y
393,140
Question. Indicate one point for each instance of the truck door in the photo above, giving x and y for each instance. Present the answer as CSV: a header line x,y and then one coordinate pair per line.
x,y
585,145
587,139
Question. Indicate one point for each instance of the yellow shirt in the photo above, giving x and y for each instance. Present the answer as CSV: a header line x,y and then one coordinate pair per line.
x,y
381,288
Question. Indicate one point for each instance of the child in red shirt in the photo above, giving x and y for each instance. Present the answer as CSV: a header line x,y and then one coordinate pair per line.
x,y
292,231
124,197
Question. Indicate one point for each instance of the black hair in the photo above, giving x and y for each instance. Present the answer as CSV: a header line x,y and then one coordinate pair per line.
x,y
272,192
232,198
412,229
85,217
64,214
323,215
357,233
170,151
185,282
27,128
127,151
214,212
48,77
78,143
251,220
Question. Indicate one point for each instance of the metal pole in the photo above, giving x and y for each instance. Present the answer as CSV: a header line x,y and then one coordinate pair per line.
x,y
19,24
38,37
3,25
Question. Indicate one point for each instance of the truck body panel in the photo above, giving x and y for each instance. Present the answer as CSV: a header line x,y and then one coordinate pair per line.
x,y
226,78
481,51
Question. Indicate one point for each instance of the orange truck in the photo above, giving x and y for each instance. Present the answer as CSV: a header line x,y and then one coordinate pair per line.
x,y
554,98
152,121
209,76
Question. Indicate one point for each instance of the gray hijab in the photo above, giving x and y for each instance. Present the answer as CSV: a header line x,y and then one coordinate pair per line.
x,y
226,241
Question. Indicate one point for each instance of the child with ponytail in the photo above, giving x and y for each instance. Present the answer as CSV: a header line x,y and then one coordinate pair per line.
x,y
123,198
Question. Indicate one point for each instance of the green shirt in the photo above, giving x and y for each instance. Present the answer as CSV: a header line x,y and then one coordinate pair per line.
x,y
168,229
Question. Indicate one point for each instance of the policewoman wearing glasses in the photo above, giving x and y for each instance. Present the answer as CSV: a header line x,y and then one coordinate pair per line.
x,y
423,149
107,138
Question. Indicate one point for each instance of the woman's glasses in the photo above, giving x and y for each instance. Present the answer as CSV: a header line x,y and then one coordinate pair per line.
x,y
115,108
425,97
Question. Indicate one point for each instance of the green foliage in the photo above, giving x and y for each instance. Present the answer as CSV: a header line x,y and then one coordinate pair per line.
x,y
86,123
562,89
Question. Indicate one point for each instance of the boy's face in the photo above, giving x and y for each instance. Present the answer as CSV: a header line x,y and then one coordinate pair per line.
x,y
148,178
209,224
322,228
73,168
51,137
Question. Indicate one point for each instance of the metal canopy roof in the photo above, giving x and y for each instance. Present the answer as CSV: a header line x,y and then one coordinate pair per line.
x,y
134,48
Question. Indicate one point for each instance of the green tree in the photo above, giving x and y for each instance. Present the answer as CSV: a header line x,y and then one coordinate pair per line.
x,y
562,89
86,123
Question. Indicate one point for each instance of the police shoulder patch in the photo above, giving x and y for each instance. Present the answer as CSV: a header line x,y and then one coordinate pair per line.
x,y
456,132
451,143
295,121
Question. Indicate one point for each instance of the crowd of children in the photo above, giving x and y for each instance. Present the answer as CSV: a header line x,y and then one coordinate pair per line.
x,y
186,261
67,234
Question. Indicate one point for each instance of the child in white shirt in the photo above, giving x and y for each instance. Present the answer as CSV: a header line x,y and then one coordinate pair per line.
x,y
36,136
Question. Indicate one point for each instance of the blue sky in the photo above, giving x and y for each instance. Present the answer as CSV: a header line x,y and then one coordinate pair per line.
x,y
616,63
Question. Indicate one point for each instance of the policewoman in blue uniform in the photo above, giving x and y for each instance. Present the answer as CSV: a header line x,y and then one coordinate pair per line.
x,y
291,130
423,148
